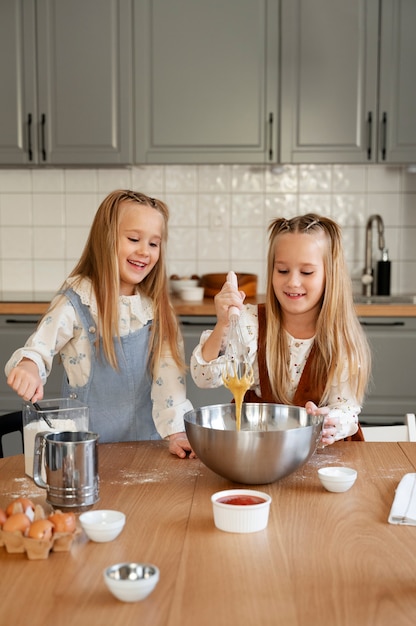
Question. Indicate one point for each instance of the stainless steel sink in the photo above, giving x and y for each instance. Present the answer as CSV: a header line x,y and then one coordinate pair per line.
x,y
400,299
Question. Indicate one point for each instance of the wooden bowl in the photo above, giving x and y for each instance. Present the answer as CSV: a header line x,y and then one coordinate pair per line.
x,y
213,283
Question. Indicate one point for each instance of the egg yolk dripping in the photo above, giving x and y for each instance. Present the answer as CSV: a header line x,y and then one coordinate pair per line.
x,y
238,385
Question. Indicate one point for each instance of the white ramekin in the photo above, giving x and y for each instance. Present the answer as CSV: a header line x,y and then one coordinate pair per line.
x,y
246,518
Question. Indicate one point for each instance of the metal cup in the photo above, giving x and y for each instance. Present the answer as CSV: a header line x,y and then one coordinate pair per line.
x,y
70,463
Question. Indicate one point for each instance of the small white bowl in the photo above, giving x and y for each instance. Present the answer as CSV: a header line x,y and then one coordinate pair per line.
x,y
182,283
336,478
131,582
104,525
191,294
234,517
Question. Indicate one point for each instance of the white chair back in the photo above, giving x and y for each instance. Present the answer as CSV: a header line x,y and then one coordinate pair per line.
x,y
401,432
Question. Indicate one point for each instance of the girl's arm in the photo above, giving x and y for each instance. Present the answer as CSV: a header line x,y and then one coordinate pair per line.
x,y
28,367
170,405
208,374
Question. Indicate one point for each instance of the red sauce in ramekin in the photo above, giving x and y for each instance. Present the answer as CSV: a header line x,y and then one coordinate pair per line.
x,y
243,500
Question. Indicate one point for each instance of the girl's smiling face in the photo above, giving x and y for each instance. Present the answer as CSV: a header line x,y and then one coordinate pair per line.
x,y
299,272
139,242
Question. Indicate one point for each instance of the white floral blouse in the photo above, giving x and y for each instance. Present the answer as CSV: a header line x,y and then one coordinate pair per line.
x,y
60,332
342,404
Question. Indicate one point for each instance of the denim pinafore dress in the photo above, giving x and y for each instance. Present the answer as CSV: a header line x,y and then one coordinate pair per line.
x,y
119,401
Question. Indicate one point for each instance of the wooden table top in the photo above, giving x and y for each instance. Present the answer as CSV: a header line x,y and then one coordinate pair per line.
x,y
325,558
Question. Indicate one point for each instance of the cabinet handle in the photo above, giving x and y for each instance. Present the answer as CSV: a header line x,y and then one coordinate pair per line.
x,y
382,323
29,137
383,136
369,134
270,136
43,124
15,321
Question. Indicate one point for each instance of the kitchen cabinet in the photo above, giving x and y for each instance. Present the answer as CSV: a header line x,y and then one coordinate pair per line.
x,y
206,81
392,391
348,92
66,82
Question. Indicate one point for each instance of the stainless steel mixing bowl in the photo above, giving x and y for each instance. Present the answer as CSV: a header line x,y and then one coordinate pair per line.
x,y
274,440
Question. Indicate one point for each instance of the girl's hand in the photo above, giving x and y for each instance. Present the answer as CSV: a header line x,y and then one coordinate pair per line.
x,y
227,297
179,445
329,430
24,379
215,344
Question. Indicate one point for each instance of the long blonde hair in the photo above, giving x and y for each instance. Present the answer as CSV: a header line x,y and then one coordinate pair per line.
x,y
99,263
338,337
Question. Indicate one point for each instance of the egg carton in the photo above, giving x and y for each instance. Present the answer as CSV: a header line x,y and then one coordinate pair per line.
x,y
16,543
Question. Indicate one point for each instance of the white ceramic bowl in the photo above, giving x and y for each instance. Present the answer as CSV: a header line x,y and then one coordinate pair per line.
x,y
182,283
336,478
191,294
104,525
131,582
238,513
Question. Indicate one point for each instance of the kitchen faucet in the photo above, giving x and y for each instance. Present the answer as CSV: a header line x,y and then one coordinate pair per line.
x,y
367,278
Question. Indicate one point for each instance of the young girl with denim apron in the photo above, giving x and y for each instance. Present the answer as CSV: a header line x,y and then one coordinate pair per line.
x,y
115,330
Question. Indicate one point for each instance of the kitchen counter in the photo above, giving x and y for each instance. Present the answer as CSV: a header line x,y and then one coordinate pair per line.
x,y
206,307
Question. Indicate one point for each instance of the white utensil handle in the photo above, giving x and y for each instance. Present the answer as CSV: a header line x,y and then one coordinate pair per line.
x,y
232,279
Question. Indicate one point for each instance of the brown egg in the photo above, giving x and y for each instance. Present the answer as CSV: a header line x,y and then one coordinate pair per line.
x,y
17,521
63,522
41,529
13,507
3,517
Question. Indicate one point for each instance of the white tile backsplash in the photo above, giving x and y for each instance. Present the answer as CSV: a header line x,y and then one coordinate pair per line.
x,y
282,178
214,178
148,180
17,243
48,209
16,275
80,208
16,209
315,178
349,178
48,243
81,181
384,179
47,275
181,178
16,181
110,179
247,178
219,215
48,180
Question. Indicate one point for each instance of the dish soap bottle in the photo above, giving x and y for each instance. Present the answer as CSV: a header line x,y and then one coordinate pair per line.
x,y
383,274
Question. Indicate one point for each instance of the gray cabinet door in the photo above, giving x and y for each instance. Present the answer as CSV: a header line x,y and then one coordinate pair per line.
x,y
206,77
329,78
18,106
392,391
397,110
70,97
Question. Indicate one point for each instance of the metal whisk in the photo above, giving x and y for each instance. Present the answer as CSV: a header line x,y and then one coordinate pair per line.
x,y
238,373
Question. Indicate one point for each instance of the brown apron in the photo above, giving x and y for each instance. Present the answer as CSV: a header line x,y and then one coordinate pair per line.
x,y
304,391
